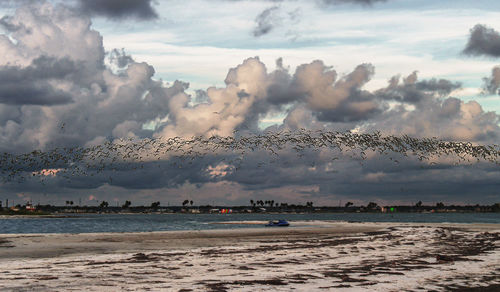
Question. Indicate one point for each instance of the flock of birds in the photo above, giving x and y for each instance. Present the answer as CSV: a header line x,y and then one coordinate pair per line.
x,y
70,162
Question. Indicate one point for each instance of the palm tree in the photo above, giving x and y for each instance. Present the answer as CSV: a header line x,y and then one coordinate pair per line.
x,y
191,203
371,206
126,205
185,202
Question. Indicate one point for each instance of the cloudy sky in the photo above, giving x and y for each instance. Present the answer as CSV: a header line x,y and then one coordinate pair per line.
x,y
84,72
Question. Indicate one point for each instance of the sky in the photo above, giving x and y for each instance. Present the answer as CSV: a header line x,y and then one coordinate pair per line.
x,y
86,72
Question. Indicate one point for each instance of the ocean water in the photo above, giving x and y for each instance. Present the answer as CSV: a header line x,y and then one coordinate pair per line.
x,y
88,223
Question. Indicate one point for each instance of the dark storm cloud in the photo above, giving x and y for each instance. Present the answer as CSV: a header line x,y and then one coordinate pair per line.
x,y
42,67
483,41
120,9
40,94
30,85
265,21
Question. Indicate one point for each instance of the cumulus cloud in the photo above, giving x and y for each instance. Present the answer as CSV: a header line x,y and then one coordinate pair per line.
x,y
41,29
450,119
336,100
483,41
54,95
120,9
91,100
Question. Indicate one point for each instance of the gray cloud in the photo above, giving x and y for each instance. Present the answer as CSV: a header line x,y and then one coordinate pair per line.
x,y
31,85
40,94
120,58
492,84
442,87
361,2
7,24
413,91
483,41
265,21
274,17
14,3
120,9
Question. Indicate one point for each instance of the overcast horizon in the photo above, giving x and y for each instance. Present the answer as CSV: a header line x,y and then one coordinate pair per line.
x,y
85,72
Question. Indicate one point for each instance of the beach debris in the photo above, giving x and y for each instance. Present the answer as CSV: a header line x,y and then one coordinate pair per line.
x,y
440,258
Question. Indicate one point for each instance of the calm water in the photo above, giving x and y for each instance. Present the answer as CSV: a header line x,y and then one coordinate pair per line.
x,y
160,222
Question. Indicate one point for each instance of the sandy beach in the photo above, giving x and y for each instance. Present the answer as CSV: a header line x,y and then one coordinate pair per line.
x,y
325,256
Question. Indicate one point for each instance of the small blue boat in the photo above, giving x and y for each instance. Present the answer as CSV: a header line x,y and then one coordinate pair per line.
x,y
279,223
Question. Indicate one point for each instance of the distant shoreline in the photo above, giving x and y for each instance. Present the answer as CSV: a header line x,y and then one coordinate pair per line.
x,y
236,211
82,214
270,207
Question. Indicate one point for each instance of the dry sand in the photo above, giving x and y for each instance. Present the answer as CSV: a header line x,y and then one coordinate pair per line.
x,y
331,257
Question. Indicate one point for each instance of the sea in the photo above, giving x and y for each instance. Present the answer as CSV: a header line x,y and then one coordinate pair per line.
x,y
94,223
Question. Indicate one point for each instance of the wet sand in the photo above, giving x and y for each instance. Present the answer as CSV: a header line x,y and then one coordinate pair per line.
x,y
331,257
